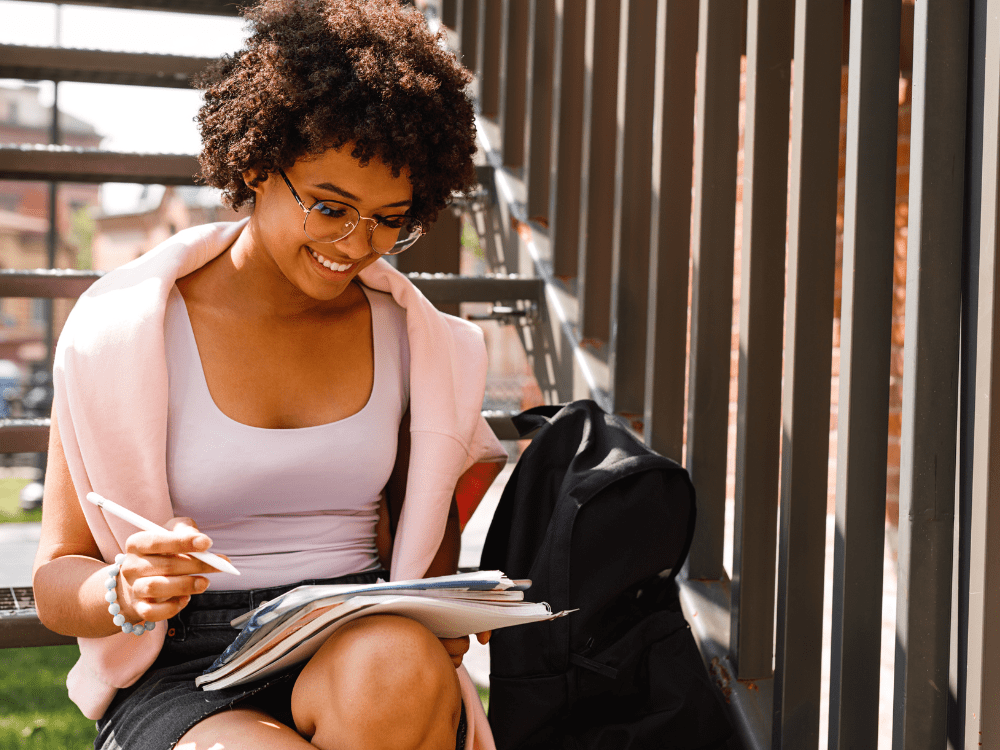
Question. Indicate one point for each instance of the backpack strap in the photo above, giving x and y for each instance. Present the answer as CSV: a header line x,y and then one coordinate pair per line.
x,y
535,418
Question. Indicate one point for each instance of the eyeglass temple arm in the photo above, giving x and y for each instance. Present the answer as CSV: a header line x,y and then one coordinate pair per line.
x,y
294,194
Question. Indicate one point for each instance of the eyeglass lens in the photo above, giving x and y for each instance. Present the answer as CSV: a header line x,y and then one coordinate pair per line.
x,y
329,221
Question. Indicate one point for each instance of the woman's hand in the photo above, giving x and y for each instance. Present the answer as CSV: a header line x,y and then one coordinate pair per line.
x,y
457,647
157,577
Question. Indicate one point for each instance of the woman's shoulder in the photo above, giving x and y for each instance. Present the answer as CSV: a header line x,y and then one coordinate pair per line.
x,y
386,304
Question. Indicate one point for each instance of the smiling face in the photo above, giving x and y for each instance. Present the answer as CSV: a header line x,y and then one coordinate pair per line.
x,y
323,270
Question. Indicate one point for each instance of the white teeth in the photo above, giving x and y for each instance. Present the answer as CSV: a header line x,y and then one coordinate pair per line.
x,y
330,264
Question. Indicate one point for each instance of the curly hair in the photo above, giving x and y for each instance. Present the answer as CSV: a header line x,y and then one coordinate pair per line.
x,y
320,74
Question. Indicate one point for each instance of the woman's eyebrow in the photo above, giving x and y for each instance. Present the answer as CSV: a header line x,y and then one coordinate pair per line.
x,y
330,187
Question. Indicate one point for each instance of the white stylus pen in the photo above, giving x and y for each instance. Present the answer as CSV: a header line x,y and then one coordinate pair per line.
x,y
146,525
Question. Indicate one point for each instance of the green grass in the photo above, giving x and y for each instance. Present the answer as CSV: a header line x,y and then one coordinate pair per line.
x,y
10,511
35,712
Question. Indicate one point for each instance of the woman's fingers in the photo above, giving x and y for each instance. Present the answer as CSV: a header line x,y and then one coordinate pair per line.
x,y
177,541
158,576
167,587
155,611
456,648
484,637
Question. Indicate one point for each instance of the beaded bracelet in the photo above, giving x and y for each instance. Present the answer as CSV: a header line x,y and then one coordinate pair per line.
x,y
111,584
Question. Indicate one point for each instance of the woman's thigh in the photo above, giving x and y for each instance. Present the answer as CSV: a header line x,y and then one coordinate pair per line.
x,y
241,729
379,682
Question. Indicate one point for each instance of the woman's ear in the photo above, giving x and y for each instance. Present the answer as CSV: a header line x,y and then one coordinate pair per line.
x,y
251,176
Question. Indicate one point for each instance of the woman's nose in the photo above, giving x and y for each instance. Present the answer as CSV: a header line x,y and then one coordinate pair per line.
x,y
355,245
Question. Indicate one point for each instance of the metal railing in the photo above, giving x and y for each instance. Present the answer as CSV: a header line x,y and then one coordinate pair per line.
x,y
612,129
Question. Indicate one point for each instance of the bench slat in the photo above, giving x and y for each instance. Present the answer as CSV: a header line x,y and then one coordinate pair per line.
x,y
19,625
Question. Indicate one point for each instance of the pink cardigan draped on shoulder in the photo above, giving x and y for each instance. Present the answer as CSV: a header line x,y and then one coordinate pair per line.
x,y
111,404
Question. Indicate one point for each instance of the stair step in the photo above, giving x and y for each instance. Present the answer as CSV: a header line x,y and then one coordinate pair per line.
x,y
203,7
99,66
32,435
69,164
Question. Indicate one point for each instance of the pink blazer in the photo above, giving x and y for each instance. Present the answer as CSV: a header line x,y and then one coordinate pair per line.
x,y
110,381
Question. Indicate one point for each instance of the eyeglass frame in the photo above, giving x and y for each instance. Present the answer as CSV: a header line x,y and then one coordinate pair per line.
x,y
371,230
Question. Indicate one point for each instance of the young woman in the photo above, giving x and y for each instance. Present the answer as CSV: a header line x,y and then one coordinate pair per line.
x,y
274,389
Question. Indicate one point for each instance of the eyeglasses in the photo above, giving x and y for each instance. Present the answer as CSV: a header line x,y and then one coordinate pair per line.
x,y
331,221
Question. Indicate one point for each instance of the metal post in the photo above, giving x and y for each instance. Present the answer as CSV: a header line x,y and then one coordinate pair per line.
x,y
449,13
468,33
566,137
632,205
976,134
597,168
539,109
52,236
670,238
488,59
812,236
930,388
717,102
863,411
758,416
982,679
513,81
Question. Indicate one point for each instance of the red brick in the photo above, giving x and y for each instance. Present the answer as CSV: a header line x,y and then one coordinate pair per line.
x,y
903,152
895,423
892,458
896,363
905,91
899,267
892,509
902,182
899,301
898,329
904,119
896,392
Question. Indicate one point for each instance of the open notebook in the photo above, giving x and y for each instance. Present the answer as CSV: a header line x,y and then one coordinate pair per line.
x,y
293,626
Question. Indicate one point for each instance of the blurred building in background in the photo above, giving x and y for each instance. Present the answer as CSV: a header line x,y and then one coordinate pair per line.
x,y
125,232
24,221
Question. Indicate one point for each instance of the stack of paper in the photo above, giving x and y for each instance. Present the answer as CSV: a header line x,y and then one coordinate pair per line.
x,y
292,627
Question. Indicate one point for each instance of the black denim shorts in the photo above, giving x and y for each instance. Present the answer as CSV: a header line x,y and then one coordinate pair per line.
x,y
155,712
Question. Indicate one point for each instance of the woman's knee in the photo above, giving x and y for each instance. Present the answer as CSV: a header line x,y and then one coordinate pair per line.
x,y
381,680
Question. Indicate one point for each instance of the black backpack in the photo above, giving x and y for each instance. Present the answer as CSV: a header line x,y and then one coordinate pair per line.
x,y
600,524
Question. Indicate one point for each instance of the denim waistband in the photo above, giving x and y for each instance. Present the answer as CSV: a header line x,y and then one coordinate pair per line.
x,y
252,598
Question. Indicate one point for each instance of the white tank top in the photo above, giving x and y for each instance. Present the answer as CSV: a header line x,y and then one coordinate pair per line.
x,y
284,504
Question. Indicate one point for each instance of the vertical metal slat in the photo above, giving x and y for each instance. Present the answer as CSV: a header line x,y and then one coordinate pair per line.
x,y
765,180
930,388
566,137
632,206
468,32
670,240
598,168
720,37
513,81
449,13
488,59
982,680
539,110
812,234
863,412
